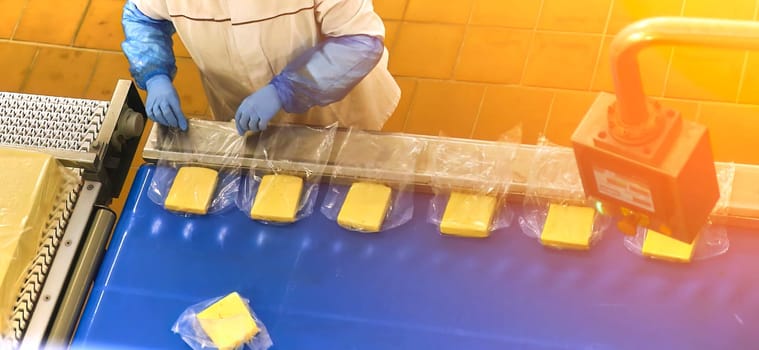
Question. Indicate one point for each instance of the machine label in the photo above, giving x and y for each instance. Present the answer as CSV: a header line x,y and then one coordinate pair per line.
x,y
624,189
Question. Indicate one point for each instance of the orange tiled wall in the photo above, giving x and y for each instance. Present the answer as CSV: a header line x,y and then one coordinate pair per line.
x,y
467,68
475,68
72,48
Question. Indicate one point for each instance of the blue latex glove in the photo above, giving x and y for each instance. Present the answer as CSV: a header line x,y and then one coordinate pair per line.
x,y
257,110
163,103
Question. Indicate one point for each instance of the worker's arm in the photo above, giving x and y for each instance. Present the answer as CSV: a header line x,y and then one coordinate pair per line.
x,y
148,45
148,48
326,73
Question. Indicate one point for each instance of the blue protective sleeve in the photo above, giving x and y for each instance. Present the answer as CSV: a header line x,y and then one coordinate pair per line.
x,y
327,72
148,45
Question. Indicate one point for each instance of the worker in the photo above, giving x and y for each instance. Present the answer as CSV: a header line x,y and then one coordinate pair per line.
x,y
313,62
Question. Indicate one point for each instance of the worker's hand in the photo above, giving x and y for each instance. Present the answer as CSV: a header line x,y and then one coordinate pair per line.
x,y
163,103
257,110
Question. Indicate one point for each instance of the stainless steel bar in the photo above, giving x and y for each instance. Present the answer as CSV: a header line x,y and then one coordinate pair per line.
x,y
206,151
84,272
53,289
742,208
115,109
71,159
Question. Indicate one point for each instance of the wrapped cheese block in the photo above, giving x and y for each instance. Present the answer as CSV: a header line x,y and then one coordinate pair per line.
x,y
29,184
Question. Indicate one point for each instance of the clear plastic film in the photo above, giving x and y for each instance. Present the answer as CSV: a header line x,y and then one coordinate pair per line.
x,y
711,241
371,188
284,189
224,323
32,199
470,182
554,182
182,184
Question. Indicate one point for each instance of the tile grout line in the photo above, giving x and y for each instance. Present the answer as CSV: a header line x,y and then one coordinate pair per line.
x,y
699,106
18,21
395,34
668,70
28,75
742,78
458,61
605,33
92,74
463,40
410,105
549,113
671,59
405,9
81,22
534,33
479,110
744,69
57,46
401,23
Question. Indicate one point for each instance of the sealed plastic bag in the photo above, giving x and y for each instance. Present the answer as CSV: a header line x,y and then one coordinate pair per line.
x,y
554,187
711,241
182,184
222,323
285,187
35,198
371,188
469,182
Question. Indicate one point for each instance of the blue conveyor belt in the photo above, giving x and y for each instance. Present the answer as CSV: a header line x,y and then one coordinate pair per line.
x,y
317,286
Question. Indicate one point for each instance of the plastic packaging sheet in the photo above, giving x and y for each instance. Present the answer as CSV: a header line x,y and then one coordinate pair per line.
x,y
298,156
472,174
713,239
372,205
233,326
199,189
32,202
554,179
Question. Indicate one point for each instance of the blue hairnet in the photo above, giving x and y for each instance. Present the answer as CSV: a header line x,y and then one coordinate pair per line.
x,y
148,45
327,72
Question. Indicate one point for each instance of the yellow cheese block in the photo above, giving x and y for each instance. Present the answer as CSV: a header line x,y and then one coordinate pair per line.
x,y
365,207
568,226
29,185
192,190
660,246
277,198
468,215
228,322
